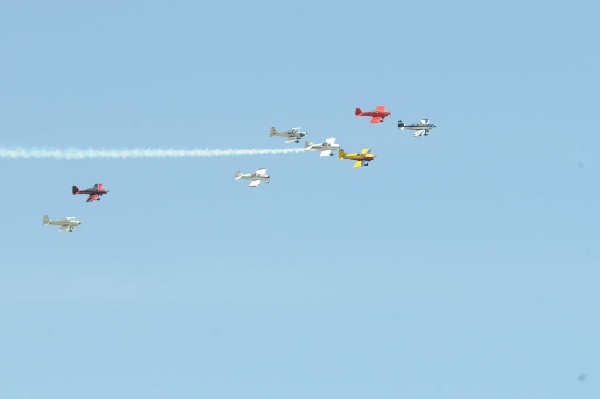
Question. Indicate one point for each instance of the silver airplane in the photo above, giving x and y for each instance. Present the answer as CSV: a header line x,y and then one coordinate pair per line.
x,y
257,177
68,223
326,148
422,128
294,134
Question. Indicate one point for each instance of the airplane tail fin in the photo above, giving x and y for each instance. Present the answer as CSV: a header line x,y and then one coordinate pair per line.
x,y
75,190
238,174
342,153
307,144
273,132
401,125
357,112
46,219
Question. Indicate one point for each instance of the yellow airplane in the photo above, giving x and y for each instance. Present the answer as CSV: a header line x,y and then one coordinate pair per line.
x,y
361,159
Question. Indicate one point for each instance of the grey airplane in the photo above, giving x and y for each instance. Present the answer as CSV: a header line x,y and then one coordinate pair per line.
x,y
421,129
256,177
294,134
68,223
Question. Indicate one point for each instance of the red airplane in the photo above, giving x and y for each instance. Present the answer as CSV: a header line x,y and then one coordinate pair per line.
x,y
94,193
378,114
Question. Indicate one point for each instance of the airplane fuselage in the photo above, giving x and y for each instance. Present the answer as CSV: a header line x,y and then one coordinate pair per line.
x,y
254,176
323,147
360,157
418,126
69,224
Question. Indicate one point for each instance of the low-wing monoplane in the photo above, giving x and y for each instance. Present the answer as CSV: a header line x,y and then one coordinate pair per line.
x,y
94,193
421,129
68,223
378,114
294,134
326,148
257,177
361,159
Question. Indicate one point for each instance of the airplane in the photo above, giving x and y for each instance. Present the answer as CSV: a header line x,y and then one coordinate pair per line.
x,y
378,114
68,223
94,193
294,134
422,128
257,177
361,159
326,148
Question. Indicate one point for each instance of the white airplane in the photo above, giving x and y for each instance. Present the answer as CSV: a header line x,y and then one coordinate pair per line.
x,y
257,177
326,148
68,223
294,134
422,128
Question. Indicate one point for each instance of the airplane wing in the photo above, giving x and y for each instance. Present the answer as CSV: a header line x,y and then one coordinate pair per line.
x,y
326,153
365,151
424,121
290,139
376,119
92,198
254,183
70,218
98,186
358,164
420,133
330,141
64,227
380,108
261,171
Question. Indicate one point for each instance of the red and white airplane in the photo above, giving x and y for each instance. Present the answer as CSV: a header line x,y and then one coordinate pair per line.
x,y
94,192
378,114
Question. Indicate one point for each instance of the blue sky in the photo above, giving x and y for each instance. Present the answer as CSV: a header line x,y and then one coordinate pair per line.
x,y
460,265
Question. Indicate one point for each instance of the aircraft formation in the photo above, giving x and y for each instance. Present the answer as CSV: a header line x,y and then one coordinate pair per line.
x,y
329,146
326,149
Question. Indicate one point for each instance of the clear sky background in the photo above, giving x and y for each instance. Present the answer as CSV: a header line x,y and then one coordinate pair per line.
x,y
459,265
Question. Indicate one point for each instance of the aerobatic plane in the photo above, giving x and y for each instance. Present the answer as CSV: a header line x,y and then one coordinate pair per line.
x,y
422,128
68,223
378,114
361,159
294,134
257,177
326,148
94,193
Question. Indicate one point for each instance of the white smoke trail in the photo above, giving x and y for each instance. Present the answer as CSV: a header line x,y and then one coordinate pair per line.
x,y
134,153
